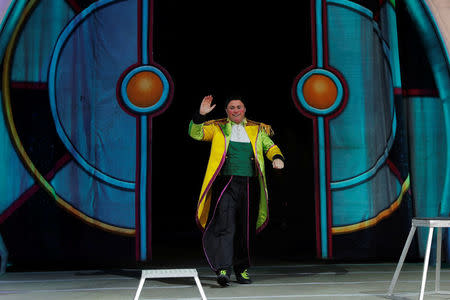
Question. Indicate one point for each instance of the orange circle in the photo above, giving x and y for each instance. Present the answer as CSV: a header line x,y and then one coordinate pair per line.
x,y
320,91
144,89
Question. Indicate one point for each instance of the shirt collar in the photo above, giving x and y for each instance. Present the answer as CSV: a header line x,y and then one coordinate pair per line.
x,y
243,123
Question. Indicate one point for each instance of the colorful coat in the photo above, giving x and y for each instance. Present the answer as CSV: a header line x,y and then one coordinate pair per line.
x,y
218,133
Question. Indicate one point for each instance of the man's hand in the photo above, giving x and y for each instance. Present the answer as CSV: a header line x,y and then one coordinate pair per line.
x,y
206,106
278,163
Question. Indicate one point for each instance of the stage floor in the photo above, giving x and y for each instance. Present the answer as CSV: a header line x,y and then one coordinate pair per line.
x,y
282,281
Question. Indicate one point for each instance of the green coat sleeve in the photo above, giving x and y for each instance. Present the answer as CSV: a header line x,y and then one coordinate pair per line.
x,y
201,132
269,147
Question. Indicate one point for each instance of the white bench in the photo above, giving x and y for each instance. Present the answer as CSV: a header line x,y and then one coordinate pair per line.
x,y
431,223
169,273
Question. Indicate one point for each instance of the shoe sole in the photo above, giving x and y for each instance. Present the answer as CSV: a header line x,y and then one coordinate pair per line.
x,y
223,281
244,281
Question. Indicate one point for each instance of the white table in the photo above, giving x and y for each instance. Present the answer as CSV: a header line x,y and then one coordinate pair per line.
x,y
431,223
169,273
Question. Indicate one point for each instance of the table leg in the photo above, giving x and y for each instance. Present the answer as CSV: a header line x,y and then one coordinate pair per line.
x,y
438,260
402,259
141,284
425,265
199,285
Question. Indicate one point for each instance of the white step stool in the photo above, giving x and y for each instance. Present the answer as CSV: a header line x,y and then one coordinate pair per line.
x,y
431,223
169,273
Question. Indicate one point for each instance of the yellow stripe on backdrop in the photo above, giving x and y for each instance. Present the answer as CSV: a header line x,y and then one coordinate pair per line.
x,y
373,221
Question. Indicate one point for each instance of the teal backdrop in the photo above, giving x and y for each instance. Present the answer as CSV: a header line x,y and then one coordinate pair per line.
x,y
356,91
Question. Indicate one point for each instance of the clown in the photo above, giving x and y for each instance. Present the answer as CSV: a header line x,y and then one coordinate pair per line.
x,y
233,203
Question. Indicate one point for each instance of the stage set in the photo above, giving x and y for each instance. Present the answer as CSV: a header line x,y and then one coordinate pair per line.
x,y
105,134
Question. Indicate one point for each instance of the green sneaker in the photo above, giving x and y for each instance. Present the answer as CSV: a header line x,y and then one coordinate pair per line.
x,y
243,277
223,278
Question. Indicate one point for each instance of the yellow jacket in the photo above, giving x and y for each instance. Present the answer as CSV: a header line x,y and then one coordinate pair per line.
x,y
218,133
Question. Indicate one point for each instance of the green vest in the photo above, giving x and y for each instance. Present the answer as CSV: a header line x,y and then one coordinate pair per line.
x,y
239,160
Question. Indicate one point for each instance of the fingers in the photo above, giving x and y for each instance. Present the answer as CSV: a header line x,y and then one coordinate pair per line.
x,y
278,164
208,99
205,106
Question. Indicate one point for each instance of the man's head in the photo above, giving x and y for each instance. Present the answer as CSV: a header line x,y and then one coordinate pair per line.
x,y
235,109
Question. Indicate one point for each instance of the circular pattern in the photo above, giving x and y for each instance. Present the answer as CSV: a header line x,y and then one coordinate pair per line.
x,y
144,89
319,91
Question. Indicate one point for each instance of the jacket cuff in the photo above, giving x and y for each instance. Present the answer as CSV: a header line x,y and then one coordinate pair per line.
x,y
197,118
278,156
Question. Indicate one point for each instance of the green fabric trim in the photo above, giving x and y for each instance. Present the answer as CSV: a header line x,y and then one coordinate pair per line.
x,y
260,151
262,213
226,128
195,131
244,122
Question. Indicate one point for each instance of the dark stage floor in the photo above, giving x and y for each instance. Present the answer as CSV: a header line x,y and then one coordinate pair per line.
x,y
282,280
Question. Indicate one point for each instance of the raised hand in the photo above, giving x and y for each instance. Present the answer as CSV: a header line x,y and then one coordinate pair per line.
x,y
206,106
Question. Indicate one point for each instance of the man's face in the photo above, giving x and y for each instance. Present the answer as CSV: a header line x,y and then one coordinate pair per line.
x,y
236,111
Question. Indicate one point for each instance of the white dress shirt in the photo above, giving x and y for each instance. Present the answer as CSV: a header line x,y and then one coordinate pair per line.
x,y
238,134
